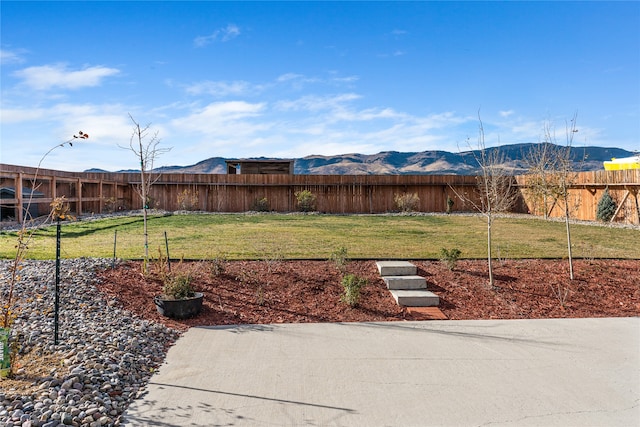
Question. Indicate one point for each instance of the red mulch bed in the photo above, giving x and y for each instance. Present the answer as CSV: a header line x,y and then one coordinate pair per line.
x,y
259,292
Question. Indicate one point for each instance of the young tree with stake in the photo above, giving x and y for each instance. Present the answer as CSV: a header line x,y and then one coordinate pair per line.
x,y
145,147
495,190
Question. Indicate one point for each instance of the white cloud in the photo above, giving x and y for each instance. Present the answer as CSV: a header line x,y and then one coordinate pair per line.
x,y
297,81
368,114
11,57
225,34
244,88
50,76
220,118
289,76
506,113
525,129
348,79
221,89
317,103
18,115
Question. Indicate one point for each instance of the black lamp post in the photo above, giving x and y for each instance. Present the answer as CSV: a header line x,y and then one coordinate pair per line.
x,y
57,289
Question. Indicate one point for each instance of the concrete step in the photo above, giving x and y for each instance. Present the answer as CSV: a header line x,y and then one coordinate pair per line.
x,y
415,298
396,268
405,282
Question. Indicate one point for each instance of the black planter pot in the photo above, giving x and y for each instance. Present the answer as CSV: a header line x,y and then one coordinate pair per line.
x,y
179,308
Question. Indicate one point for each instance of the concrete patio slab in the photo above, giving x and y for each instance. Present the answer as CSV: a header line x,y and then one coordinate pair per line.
x,y
557,372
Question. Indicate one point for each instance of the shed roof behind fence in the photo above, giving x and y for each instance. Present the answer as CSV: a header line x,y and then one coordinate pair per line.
x,y
259,166
10,192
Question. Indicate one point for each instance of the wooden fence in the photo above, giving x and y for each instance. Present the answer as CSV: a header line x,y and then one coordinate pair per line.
x,y
585,191
35,191
342,194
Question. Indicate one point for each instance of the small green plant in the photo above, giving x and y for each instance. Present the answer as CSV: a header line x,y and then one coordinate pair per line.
x,y
260,205
407,202
352,285
449,205
306,201
450,257
218,266
178,285
606,207
340,258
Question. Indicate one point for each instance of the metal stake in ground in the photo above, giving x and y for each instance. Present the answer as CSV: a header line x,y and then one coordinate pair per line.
x,y
57,289
115,239
166,243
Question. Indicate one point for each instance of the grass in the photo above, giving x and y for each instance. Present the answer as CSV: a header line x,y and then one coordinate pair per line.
x,y
244,236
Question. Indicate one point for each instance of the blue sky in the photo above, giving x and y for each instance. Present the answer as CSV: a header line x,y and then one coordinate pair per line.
x,y
289,79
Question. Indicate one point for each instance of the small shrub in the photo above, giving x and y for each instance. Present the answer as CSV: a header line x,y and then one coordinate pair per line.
x,y
273,258
178,286
606,207
450,257
158,268
502,254
340,258
188,200
260,205
218,266
449,205
254,279
110,205
407,202
561,292
306,201
352,285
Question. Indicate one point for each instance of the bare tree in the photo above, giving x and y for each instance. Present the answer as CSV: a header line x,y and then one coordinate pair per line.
x,y
563,176
540,164
145,147
551,174
496,190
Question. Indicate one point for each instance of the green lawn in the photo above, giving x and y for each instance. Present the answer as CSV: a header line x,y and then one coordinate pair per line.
x,y
244,236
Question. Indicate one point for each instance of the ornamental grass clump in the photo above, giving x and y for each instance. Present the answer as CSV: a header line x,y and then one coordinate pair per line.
x,y
407,202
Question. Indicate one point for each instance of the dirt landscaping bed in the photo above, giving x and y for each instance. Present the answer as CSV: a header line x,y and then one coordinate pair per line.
x,y
258,292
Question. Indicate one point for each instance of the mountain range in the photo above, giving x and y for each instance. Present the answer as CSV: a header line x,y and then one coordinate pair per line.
x,y
433,162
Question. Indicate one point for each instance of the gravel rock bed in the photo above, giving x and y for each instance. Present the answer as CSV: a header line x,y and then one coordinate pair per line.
x,y
106,355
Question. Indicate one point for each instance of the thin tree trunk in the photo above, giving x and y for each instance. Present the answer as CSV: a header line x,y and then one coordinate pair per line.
x,y
566,220
143,191
489,250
